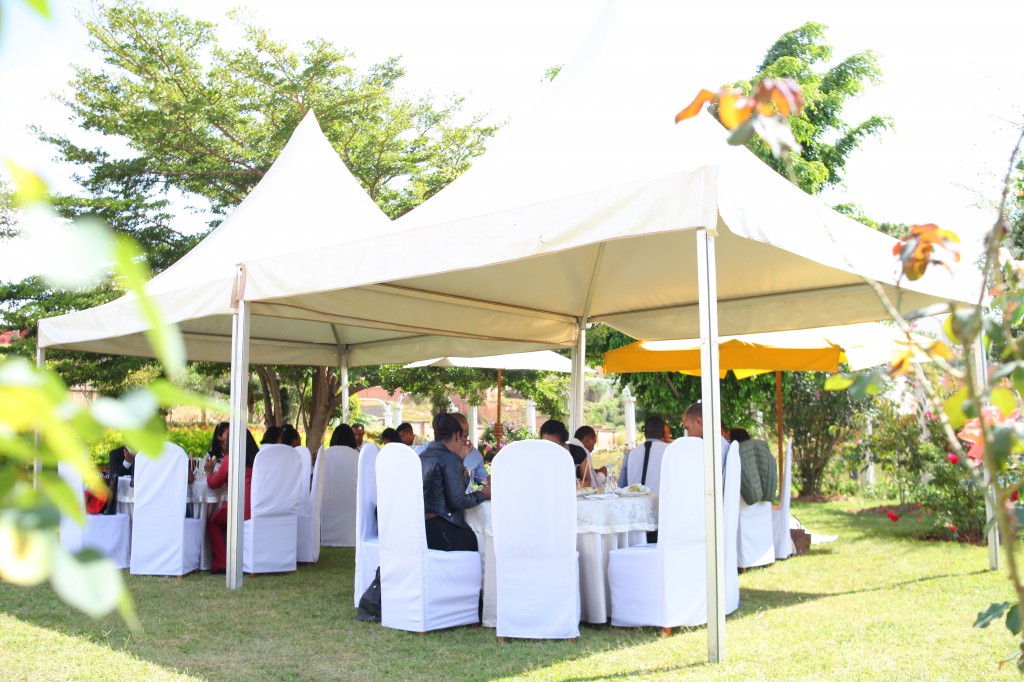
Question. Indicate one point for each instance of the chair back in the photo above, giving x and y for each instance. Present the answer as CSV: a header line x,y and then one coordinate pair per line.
x,y
276,482
402,537
339,471
534,525
158,528
681,495
534,501
305,470
72,532
366,494
731,526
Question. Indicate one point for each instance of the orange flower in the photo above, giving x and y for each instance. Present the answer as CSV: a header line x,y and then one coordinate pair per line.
x,y
971,432
772,96
917,249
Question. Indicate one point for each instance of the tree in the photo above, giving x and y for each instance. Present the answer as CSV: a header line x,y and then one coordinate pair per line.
x,y
209,121
828,140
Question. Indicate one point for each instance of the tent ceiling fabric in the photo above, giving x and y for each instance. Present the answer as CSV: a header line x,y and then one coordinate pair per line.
x,y
543,360
583,210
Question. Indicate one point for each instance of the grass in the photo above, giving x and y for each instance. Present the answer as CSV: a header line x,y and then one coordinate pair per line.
x,y
876,605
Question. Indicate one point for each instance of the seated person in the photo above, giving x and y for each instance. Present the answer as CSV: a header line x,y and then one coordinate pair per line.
x,y
217,524
642,464
406,434
272,436
359,431
555,431
693,422
120,463
444,488
343,435
389,435
290,436
586,438
759,472
219,444
474,460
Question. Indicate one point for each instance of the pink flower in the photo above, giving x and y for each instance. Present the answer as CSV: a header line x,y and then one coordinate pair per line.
x,y
893,516
929,415
1014,495
953,459
971,432
918,518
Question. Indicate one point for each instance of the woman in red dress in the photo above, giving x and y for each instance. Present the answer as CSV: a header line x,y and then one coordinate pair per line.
x,y
217,525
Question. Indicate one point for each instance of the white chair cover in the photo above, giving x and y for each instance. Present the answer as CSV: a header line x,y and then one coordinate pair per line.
x,y
271,535
306,464
339,469
665,585
110,535
367,550
534,523
421,589
730,526
308,549
164,542
780,516
756,537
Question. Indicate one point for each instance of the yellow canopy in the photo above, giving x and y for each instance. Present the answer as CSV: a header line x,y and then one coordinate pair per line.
x,y
822,350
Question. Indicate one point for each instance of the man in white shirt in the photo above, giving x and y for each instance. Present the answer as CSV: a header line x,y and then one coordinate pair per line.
x,y
693,422
642,464
586,438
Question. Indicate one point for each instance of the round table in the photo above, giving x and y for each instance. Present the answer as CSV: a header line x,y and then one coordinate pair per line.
x,y
603,522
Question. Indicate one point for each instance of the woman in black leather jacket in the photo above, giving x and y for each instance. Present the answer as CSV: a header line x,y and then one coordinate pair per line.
x,y
444,488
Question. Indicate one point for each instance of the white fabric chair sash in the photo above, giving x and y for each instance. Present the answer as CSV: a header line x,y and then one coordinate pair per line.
x,y
339,469
534,525
421,589
730,526
164,542
271,535
306,464
665,585
110,535
780,516
367,551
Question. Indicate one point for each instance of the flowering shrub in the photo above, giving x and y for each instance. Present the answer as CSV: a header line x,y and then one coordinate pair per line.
x,y
511,431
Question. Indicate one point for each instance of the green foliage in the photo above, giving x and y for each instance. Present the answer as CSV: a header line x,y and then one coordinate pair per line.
x,y
817,420
827,139
949,490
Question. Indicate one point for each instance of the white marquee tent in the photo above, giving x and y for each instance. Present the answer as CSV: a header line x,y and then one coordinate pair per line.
x,y
595,209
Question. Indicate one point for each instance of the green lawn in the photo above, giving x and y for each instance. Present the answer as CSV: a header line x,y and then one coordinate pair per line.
x,y
876,605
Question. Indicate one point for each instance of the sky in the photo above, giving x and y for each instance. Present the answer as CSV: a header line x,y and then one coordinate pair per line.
x,y
952,79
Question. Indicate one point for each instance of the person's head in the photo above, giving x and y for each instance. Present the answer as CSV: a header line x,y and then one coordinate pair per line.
x,y
359,430
693,420
271,435
219,444
448,431
405,433
587,436
739,435
343,436
251,449
654,427
389,435
554,431
463,422
290,436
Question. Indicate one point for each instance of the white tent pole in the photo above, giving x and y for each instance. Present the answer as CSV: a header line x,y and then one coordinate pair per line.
x,y
344,385
630,403
37,465
711,401
531,417
237,443
579,354
474,425
980,377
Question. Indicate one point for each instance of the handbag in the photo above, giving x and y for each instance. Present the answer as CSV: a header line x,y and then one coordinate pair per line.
x,y
369,603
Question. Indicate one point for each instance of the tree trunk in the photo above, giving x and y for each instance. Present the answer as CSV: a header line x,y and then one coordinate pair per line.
x,y
325,396
271,384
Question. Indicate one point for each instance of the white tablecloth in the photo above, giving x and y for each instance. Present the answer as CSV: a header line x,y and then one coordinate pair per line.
x,y
602,525
201,501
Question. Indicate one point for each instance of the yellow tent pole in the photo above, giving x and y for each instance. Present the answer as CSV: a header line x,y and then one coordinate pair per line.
x,y
778,422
